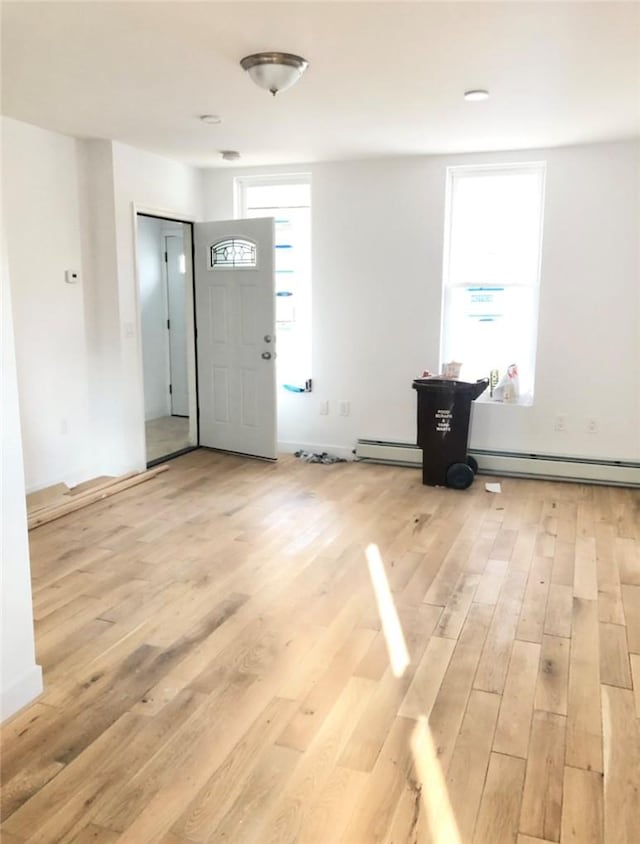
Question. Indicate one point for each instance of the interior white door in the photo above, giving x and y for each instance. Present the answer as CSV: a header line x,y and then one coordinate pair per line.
x,y
176,279
235,319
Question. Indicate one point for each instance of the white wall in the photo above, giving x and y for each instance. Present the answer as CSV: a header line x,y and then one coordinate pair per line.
x,y
377,238
20,677
42,222
153,319
143,182
70,204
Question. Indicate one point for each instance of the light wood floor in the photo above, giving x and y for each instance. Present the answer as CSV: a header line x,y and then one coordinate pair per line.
x,y
166,435
217,669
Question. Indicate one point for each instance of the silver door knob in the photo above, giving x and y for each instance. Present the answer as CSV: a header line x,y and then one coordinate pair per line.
x,y
266,356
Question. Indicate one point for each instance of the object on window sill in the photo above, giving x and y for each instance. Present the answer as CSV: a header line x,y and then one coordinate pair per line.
x,y
293,388
451,370
508,389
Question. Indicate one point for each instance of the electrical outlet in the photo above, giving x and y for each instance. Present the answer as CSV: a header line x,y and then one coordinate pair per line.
x,y
561,422
344,408
324,408
592,425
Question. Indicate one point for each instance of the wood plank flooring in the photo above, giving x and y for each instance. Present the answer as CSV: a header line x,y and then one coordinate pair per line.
x,y
217,669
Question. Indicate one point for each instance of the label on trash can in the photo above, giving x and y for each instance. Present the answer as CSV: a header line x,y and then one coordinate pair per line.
x,y
443,420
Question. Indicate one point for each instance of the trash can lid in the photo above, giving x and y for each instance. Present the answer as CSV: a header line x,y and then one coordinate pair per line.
x,y
475,388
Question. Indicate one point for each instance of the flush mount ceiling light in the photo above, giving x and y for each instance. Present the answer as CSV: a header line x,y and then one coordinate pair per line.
x,y
274,71
476,95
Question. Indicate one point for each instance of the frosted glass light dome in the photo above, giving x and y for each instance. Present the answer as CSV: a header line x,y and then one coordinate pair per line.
x,y
274,71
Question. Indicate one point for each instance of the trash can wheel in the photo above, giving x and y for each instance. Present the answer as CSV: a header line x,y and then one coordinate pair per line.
x,y
471,461
459,476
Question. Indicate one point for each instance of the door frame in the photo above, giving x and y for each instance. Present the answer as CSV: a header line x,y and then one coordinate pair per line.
x,y
190,311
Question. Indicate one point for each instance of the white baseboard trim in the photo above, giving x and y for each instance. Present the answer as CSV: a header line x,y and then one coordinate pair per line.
x,y
317,448
515,464
21,693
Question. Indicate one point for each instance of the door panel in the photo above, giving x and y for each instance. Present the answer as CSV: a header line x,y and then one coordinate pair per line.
x,y
235,310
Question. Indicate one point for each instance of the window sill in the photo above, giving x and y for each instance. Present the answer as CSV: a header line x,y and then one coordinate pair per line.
x,y
521,401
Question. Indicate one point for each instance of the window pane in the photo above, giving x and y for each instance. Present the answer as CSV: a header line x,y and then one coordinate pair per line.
x,y
289,205
495,229
491,272
491,329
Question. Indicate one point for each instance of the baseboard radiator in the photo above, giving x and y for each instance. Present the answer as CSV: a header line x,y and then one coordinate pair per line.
x,y
513,464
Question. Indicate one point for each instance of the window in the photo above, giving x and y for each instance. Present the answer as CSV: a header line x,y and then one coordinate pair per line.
x,y
493,237
288,200
233,254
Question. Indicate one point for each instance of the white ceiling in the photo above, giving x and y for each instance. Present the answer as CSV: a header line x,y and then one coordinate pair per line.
x,y
384,78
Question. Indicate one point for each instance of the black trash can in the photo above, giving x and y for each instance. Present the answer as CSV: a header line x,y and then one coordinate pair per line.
x,y
444,407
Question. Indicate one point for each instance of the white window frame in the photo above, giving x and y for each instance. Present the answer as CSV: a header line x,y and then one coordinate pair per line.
x,y
241,184
480,170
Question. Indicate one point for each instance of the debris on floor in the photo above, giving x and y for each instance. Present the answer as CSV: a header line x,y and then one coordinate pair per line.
x,y
56,501
493,487
315,457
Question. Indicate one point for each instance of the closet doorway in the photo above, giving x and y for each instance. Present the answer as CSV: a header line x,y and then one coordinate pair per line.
x,y
165,282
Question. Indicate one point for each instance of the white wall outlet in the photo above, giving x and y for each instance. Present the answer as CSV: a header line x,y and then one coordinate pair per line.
x,y
561,422
324,408
592,425
344,408
71,276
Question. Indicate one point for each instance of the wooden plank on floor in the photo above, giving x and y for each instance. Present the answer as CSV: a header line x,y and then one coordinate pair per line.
x,y
584,725
309,715
516,709
451,702
93,834
361,751
215,798
427,680
553,676
457,607
609,594
291,811
542,797
532,615
56,494
470,759
491,582
615,669
331,809
627,554
563,568
494,661
585,581
631,603
582,807
635,673
621,737
557,621
528,839
78,502
499,813
260,792
374,812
